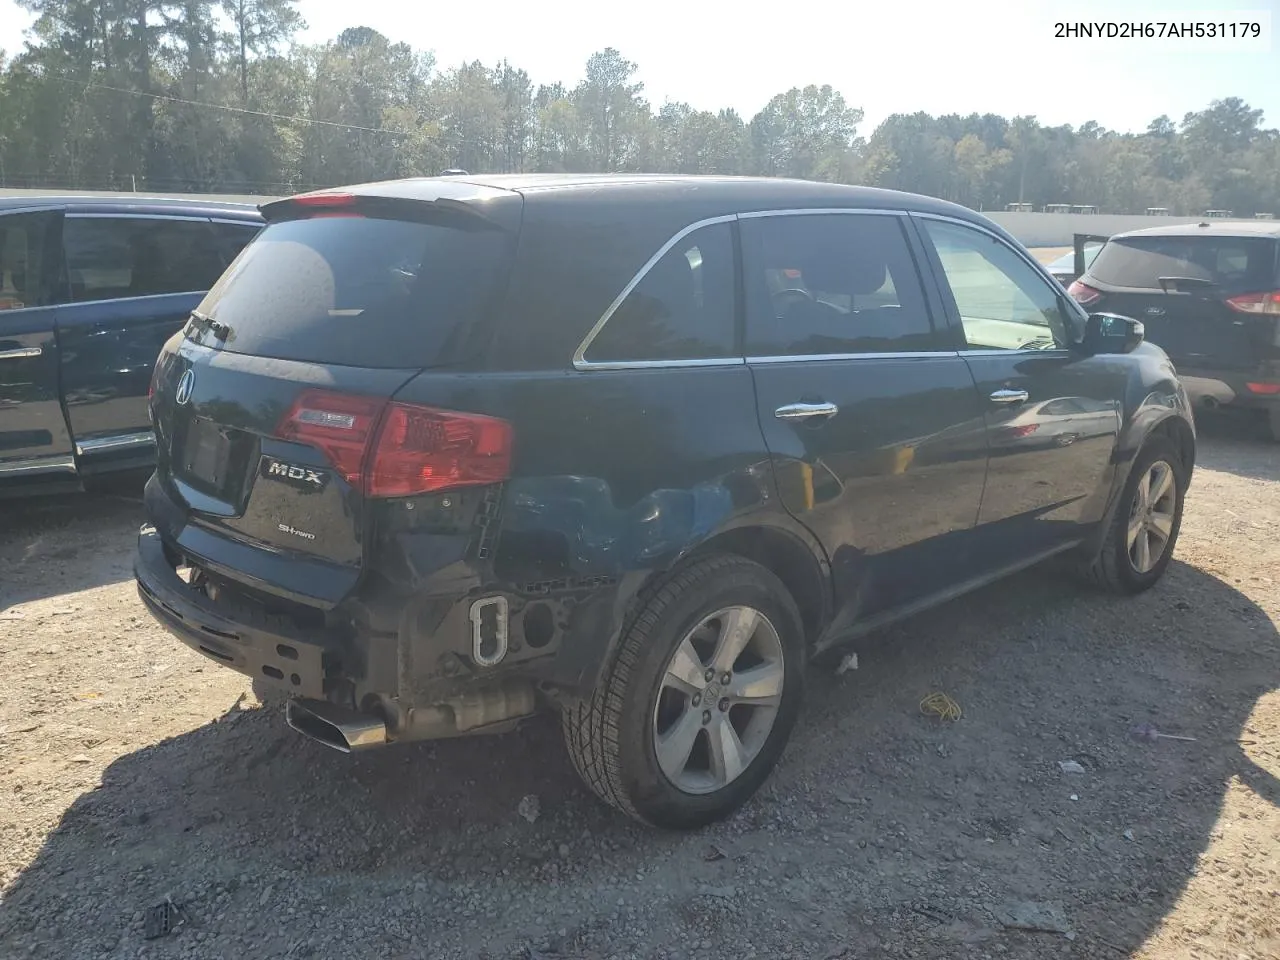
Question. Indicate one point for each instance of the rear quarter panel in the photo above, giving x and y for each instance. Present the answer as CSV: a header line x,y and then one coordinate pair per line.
x,y
616,475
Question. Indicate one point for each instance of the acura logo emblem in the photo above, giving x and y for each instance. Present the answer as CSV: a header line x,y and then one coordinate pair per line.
x,y
185,385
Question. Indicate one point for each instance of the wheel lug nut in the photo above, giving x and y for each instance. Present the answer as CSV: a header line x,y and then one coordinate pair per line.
x,y
706,717
697,699
726,678
709,676
724,704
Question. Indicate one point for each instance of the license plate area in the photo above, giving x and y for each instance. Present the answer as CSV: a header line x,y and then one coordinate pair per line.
x,y
215,459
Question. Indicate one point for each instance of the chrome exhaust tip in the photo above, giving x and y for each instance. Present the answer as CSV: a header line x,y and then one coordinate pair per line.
x,y
334,726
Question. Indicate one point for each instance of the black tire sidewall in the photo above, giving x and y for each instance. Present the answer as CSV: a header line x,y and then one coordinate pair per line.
x,y
654,797
1158,448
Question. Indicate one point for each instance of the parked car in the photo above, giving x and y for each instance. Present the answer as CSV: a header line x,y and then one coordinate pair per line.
x,y
90,289
1070,265
435,453
1209,295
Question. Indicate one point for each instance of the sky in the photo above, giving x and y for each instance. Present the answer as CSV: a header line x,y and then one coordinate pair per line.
x,y
884,56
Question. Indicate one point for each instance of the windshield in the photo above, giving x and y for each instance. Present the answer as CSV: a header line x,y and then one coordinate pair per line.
x,y
353,290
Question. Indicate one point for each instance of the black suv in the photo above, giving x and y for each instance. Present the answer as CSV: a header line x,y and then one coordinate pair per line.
x,y
1209,295
90,289
434,453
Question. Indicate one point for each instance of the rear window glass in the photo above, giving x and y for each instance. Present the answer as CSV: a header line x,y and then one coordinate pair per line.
x,y
1236,262
356,291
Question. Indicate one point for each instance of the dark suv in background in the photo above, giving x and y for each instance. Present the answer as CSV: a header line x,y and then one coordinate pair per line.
x,y
434,453
1209,295
90,290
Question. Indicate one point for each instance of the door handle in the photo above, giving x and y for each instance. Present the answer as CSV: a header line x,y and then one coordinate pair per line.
x,y
21,352
1009,396
806,411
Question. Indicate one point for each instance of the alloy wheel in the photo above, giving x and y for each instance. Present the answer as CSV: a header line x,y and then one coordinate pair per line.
x,y
718,699
1151,516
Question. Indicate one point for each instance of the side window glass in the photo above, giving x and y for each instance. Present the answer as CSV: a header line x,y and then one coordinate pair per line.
x,y
1003,303
832,284
113,257
233,237
682,309
25,274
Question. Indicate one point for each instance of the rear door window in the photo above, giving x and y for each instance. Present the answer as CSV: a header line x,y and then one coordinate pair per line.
x,y
832,284
25,273
1236,263
682,308
109,258
356,290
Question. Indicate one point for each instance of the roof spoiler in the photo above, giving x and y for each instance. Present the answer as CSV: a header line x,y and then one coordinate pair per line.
x,y
445,211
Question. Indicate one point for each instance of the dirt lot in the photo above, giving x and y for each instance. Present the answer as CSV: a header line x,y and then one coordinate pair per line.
x,y
132,770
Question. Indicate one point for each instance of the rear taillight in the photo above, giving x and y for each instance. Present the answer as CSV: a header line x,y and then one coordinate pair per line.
x,y
337,424
1023,429
1264,389
400,449
1083,294
1256,302
423,450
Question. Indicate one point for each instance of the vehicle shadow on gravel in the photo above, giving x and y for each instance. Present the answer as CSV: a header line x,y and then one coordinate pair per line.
x,y
39,558
882,825
1237,445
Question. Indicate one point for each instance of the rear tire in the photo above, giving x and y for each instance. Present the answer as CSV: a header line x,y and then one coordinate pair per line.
x,y
1148,509
694,710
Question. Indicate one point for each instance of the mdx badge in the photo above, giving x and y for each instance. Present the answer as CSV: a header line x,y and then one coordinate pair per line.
x,y
307,478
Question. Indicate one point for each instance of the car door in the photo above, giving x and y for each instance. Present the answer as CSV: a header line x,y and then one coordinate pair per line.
x,y
133,280
1084,249
34,439
870,415
1052,414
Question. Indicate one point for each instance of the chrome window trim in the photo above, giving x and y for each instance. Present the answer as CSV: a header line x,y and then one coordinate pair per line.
x,y
191,218
144,296
122,441
55,463
988,352
580,362
887,355
38,208
660,364
254,224
823,211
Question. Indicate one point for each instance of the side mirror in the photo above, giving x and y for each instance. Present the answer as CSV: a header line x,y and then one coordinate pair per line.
x,y
1111,333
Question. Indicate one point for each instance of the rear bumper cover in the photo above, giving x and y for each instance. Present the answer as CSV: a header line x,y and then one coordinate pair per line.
x,y
1206,385
267,652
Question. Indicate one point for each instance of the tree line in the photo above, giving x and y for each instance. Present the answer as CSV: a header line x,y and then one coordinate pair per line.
x,y
217,96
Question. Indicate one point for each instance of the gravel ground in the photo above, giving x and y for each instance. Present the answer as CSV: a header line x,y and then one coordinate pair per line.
x,y
132,771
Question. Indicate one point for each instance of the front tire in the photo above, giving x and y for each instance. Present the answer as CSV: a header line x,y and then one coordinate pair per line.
x,y
1144,531
695,708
